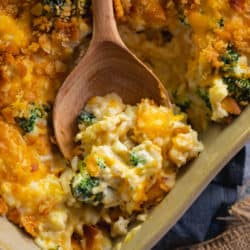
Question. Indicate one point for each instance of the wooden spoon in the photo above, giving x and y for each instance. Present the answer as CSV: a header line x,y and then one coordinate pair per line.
x,y
108,66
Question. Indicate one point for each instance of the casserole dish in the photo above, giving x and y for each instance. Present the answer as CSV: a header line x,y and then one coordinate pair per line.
x,y
221,144
200,51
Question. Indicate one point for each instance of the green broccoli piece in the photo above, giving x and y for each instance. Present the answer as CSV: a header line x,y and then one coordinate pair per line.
x,y
101,163
82,185
231,83
76,7
55,5
27,124
203,94
230,59
135,159
86,118
238,88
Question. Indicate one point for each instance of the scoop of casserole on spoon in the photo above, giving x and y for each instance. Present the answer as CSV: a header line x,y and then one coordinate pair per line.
x,y
108,66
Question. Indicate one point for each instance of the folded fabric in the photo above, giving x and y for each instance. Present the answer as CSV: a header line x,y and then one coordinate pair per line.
x,y
200,222
237,235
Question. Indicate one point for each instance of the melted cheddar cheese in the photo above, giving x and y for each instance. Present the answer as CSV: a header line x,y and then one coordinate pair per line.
x,y
200,51
128,152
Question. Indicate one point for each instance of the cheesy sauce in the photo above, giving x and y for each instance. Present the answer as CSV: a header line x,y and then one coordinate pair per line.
x,y
200,51
129,155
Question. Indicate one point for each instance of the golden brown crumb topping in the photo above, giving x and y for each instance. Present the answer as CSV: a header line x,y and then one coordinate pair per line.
x,y
198,48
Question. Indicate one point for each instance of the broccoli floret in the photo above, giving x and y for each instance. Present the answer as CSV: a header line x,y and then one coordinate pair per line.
x,y
55,5
76,7
86,118
238,88
135,159
82,185
27,124
230,59
231,84
101,163
203,94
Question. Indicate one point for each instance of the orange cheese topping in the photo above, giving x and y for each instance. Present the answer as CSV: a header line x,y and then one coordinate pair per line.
x,y
19,162
182,41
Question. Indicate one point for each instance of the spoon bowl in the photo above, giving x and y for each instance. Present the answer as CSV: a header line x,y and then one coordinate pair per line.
x,y
108,66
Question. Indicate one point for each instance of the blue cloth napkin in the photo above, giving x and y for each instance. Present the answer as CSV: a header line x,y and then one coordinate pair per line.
x,y
199,223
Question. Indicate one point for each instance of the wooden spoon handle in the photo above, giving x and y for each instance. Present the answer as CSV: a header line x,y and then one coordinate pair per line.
x,y
105,29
